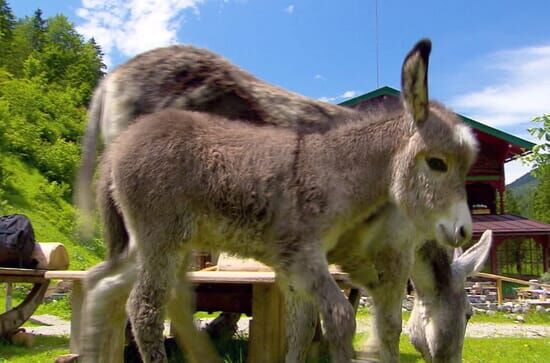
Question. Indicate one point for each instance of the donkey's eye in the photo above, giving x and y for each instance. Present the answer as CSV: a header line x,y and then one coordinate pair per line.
x,y
437,164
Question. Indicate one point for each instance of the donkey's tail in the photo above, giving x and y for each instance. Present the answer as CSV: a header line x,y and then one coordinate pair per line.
x,y
114,230
83,192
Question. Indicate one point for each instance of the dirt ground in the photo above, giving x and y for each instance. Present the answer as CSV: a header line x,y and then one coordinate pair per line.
x,y
477,330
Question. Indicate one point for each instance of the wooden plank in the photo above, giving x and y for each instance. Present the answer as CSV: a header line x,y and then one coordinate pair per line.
x,y
65,275
267,337
9,271
235,277
23,279
509,279
225,277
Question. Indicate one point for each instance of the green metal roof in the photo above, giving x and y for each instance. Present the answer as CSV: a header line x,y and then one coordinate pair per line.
x,y
388,91
367,96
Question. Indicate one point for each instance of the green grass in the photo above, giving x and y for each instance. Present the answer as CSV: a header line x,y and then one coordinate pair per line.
x,y
45,350
26,191
484,350
476,350
531,318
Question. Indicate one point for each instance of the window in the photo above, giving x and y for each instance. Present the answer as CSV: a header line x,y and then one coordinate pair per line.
x,y
520,257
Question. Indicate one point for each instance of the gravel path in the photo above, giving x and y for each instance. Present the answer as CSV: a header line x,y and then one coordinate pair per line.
x,y
483,330
58,326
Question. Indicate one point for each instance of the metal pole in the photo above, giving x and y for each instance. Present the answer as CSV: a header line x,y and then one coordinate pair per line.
x,y
377,45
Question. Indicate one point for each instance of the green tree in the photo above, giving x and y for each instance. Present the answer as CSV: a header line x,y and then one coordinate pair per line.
x,y
38,30
7,24
511,203
541,159
7,21
66,60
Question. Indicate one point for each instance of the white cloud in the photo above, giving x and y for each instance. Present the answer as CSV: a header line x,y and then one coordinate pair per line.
x,y
133,26
519,91
319,77
290,9
347,94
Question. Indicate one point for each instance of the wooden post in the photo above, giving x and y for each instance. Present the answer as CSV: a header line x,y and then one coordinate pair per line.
x,y
267,337
499,291
77,299
8,295
493,258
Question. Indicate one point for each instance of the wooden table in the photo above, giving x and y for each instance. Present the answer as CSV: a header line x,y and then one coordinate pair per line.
x,y
252,293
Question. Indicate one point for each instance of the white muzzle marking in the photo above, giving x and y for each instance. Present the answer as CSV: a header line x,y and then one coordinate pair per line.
x,y
455,228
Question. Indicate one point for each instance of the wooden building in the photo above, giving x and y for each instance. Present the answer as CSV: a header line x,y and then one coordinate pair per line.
x,y
521,246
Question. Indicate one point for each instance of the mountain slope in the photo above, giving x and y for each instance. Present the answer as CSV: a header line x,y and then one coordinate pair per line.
x,y
26,191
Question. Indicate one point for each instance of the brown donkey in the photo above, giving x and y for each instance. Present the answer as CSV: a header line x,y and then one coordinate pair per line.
x,y
283,197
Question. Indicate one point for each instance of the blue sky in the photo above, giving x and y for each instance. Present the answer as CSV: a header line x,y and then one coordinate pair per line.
x,y
490,59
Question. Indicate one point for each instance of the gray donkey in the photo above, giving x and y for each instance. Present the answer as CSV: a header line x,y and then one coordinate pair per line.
x,y
459,143
441,308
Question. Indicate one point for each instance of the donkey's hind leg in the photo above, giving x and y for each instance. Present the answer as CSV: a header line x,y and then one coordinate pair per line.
x,y
107,288
146,304
195,343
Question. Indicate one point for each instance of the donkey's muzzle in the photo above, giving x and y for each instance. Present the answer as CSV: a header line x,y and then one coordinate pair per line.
x,y
455,230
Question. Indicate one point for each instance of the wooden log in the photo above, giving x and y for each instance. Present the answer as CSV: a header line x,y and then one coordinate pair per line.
x,y
51,256
23,338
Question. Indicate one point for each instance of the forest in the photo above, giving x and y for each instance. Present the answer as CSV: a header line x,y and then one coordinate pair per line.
x,y
47,75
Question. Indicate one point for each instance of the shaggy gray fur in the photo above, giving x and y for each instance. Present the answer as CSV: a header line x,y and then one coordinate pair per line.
x,y
320,189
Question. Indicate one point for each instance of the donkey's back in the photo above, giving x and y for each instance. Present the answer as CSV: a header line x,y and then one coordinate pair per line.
x,y
227,180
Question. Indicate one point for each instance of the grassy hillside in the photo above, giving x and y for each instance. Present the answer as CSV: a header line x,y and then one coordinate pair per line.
x,y
27,191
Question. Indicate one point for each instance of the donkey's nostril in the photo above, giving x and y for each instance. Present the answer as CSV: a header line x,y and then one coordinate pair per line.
x,y
462,232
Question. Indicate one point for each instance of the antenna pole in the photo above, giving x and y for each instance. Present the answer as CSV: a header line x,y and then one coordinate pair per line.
x,y
377,45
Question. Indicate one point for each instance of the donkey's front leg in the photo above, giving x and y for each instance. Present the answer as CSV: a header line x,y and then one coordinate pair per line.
x,y
309,272
301,315
387,297
387,325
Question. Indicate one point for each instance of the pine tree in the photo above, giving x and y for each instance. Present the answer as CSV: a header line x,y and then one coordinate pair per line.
x,y
7,21
38,30
7,24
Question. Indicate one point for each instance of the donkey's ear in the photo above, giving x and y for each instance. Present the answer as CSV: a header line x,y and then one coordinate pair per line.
x,y
414,80
473,259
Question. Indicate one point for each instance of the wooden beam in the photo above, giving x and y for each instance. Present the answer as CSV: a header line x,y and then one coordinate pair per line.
x,y
77,299
510,279
267,328
499,292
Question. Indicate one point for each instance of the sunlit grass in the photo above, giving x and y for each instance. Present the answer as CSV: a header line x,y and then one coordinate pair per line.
x,y
483,350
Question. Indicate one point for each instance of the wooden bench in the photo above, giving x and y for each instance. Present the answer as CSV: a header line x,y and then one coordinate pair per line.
x,y
253,292
49,256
